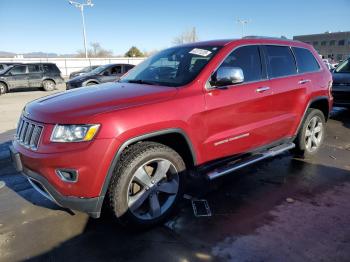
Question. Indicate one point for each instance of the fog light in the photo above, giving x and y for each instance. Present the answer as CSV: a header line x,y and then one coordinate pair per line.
x,y
67,175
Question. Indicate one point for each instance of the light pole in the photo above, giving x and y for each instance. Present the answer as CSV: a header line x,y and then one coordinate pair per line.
x,y
81,7
243,24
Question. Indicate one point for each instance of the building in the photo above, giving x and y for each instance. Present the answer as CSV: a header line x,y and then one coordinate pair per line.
x,y
334,46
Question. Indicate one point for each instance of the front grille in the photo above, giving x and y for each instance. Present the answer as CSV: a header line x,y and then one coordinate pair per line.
x,y
28,133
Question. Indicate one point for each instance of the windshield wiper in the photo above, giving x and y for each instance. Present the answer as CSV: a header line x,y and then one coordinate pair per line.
x,y
140,81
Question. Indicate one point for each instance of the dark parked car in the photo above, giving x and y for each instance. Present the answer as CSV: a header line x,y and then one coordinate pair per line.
x,y
102,74
3,66
45,75
83,71
341,84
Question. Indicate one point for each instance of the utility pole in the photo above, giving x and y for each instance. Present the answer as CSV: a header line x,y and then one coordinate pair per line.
x,y
243,23
81,7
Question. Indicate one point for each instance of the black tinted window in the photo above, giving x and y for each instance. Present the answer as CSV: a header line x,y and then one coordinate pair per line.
x,y
248,59
306,62
34,69
280,61
50,68
18,70
116,70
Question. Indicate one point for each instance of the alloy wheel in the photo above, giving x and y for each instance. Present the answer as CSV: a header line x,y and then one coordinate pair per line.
x,y
313,134
153,189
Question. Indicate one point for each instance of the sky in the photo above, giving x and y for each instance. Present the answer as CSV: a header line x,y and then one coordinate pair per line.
x,y
55,25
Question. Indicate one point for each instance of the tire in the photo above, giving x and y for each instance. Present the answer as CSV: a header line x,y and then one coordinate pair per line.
x,y
3,88
91,84
49,85
311,134
138,195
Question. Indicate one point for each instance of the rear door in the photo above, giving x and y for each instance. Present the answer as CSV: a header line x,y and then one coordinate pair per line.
x,y
289,90
238,117
35,75
17,76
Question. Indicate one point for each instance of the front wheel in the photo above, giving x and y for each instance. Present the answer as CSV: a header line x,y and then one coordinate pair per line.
x,y
147,184
311,134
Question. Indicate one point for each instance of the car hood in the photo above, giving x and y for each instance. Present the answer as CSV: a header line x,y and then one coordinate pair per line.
x,y
78,78
80,105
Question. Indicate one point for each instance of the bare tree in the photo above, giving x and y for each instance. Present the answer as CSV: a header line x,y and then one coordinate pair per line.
x,y
188,36
95,51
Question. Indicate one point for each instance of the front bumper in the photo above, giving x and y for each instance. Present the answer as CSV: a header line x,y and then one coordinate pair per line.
x,y
92,206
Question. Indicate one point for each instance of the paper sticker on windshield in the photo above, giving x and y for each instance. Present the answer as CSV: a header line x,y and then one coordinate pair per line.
x,y
201,52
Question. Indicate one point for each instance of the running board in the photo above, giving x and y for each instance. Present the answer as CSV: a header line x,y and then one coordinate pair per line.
x,y
250,160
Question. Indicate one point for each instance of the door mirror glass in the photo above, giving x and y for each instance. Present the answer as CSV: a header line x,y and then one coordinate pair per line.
x,y
226,76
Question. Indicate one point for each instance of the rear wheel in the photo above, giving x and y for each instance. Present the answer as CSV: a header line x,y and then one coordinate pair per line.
x,y
147,184
3,88
49,85
311,134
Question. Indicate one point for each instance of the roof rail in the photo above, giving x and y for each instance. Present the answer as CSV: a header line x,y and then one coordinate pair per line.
x,y
266,37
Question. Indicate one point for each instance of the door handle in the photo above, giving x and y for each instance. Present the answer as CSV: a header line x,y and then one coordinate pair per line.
x,y
262,89
304,81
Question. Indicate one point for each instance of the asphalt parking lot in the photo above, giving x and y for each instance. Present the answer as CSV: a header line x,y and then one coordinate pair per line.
x,y
284,209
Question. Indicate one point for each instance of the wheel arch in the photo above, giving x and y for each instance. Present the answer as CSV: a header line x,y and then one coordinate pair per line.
x,y
6,84
321,103
162,136
91,81
47,78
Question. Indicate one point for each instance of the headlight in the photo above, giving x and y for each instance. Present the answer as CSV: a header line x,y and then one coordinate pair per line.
x,y
74,133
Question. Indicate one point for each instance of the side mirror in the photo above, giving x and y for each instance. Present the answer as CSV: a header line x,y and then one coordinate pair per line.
x,y
105,73
225,76
9,73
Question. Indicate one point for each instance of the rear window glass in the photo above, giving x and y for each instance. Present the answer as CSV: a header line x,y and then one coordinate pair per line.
x,y
280,61
306,62
51,68
34,68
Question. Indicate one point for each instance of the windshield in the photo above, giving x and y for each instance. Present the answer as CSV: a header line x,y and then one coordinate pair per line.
x,y
172,67
98,70
86,69
343,67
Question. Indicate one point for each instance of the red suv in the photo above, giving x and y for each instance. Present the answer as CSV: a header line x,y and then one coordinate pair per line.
x,y
209,107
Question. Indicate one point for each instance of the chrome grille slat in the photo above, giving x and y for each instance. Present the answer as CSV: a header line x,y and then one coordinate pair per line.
x,y
24,130
28,133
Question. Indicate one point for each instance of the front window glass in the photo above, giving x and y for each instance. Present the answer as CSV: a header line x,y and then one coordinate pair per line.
x,y
172,67
248,59
343,67
18,70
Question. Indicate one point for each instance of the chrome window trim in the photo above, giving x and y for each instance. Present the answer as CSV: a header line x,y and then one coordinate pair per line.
x,y
210,88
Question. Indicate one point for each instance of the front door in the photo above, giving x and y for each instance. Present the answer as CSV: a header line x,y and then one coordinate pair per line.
x,y
238,117
17,76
